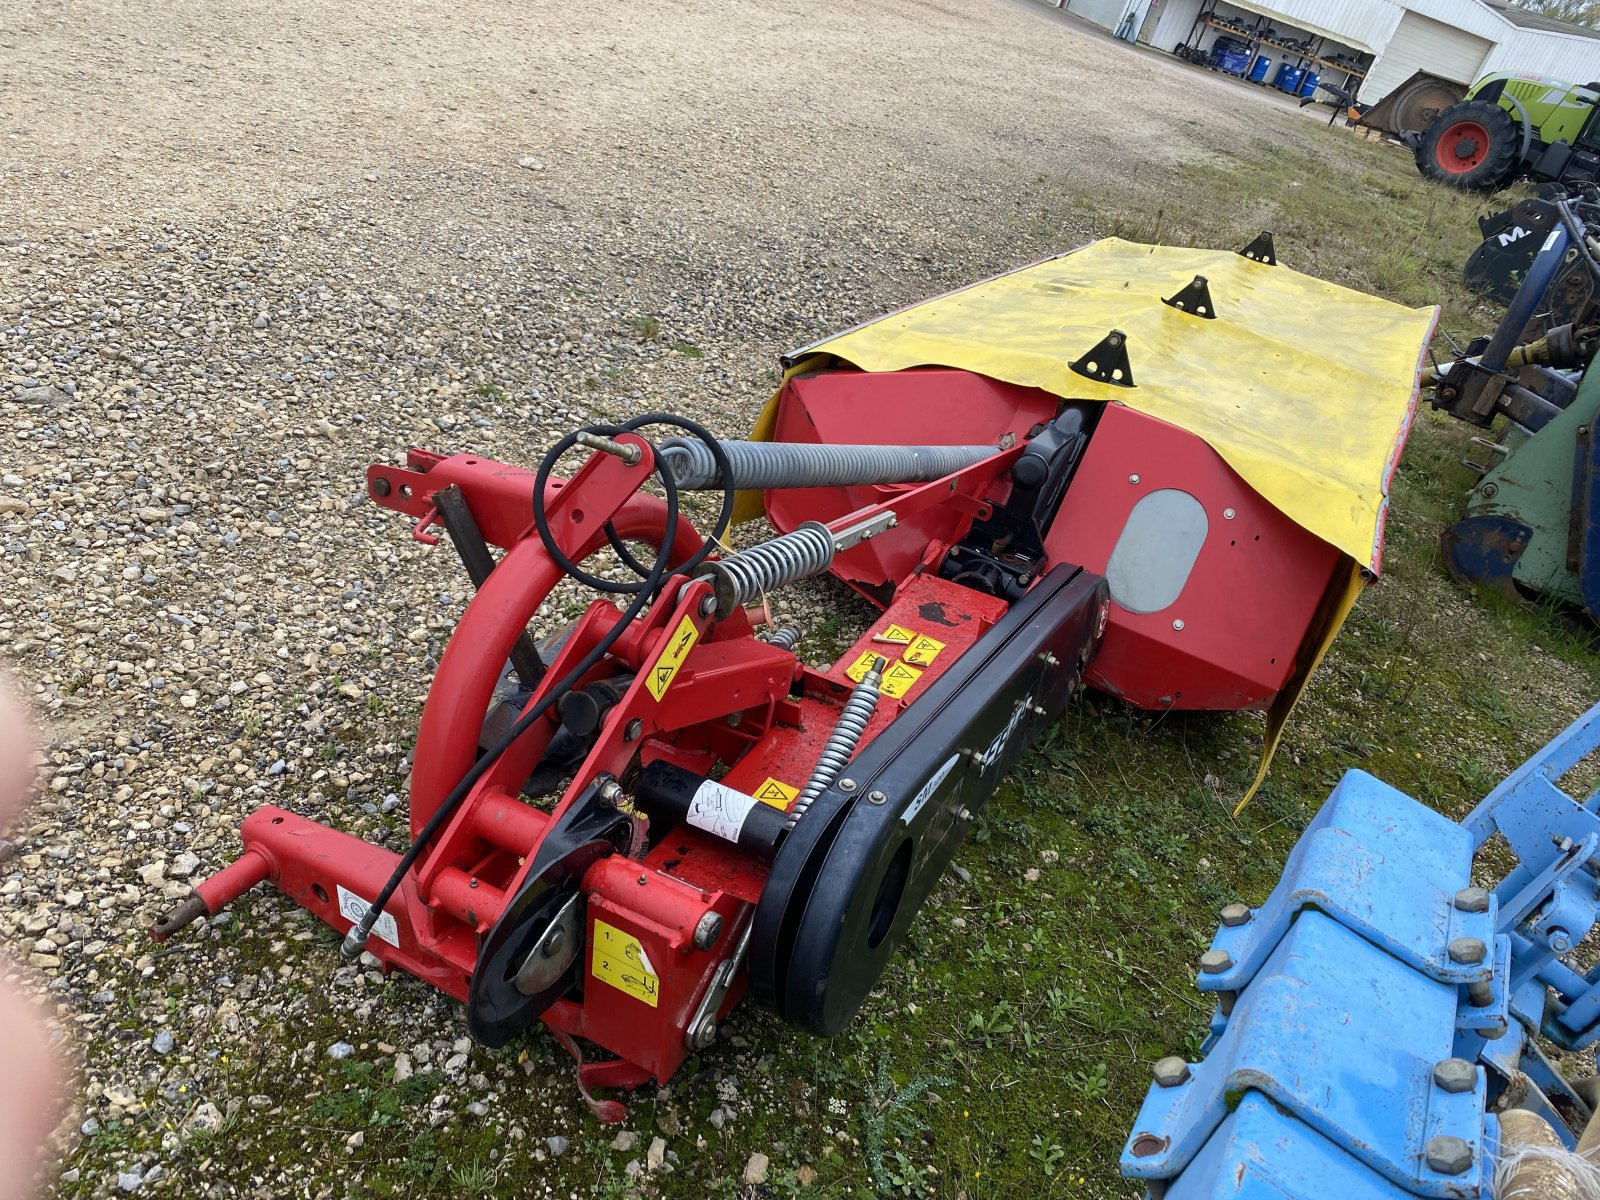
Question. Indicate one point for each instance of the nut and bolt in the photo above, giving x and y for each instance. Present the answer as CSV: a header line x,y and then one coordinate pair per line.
x,y
380,486
1491,490
1227,514
964,815
1472,900
1480,994
1049,660
632,730
1449,1155
1215,962
876,797
708,605
1454,1075
553,942
1133,479
1178,624
847,785
708,931
1560,940
611,791
1171,1071
1234,915
1469,951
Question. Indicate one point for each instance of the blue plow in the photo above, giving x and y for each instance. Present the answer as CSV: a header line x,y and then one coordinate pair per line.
x,y
1381,1020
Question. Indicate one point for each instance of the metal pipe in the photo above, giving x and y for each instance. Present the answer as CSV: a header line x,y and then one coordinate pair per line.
x,y
1527,300
1532,1163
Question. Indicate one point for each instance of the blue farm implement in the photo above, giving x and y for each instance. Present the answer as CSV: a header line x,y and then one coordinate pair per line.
x,y
1381,1021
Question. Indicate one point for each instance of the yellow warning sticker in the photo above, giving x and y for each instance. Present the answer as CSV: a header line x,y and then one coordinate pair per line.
x,y
776,793
620,960
922,650
666,667
899,633
897,677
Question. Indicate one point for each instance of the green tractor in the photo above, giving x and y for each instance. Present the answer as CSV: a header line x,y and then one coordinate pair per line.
x,y
1513,126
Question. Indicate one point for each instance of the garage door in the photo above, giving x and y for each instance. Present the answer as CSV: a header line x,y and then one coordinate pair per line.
x,y
1104,13
1423,44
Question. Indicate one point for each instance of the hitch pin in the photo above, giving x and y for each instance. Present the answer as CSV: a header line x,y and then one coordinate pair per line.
x,y
593,441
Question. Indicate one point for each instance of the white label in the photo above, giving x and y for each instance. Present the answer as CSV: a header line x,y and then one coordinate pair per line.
x,y
719,810
352,907
929,788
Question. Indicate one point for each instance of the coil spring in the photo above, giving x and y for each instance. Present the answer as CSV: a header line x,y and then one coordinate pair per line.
x,y
804,464
786,638
842,742
741,577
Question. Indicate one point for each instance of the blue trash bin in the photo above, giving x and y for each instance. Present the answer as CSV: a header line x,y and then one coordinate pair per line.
x,y
1258,73
1309,83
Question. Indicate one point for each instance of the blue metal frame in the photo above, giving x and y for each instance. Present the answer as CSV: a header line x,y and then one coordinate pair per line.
x,y
1375,1009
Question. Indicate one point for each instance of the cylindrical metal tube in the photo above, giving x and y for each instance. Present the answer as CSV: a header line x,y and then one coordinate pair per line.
x,y
1533,1164
1527,300
670,795
809,464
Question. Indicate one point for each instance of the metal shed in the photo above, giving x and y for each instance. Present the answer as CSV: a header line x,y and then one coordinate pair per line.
x,y
1373,45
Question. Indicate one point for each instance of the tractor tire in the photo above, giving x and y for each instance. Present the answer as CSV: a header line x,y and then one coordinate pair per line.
x,y
1472,145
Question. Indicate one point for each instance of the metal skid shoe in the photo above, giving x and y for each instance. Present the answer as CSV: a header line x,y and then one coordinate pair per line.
x,y
1378,1013
621,829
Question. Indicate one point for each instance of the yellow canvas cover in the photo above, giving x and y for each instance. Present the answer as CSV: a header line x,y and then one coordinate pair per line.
x,y
1305,388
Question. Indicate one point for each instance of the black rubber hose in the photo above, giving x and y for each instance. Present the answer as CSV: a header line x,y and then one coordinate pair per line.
x,y
646,591
541,518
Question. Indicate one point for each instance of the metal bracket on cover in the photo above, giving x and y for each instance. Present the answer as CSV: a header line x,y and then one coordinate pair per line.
x,y
1399,893
1261,250
1195,299
1330,1027
1107,361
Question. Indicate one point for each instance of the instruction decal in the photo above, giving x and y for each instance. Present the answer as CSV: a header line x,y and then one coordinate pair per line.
x,y
352,908
677,649
620,960
897,676
719,810
776,793
922,650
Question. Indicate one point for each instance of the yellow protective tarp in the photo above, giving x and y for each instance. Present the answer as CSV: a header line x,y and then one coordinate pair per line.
x,y
1305,388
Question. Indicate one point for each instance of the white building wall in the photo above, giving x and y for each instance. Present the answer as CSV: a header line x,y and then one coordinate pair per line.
x,y
1363,25
1105,13
1563,56
1370,24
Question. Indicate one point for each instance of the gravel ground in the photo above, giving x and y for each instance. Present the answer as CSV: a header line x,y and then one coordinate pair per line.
x,y
245,251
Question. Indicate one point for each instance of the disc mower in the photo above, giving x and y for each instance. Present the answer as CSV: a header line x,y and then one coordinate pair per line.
x,y
1115,468
1382,1019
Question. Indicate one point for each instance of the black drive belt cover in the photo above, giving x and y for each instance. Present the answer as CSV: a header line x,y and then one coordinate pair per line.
x,y
851,877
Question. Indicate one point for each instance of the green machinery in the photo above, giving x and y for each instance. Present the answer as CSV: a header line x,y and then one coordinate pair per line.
x,y
1532,523
1509,126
